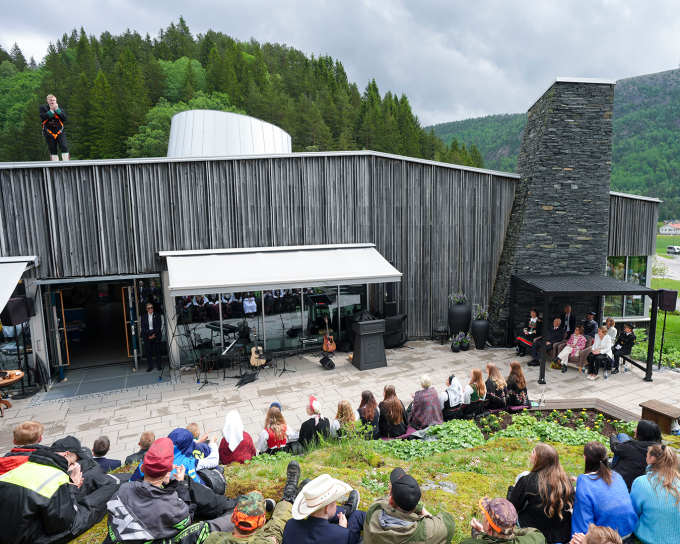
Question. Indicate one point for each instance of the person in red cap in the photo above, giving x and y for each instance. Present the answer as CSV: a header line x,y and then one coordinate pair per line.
x,y
499,524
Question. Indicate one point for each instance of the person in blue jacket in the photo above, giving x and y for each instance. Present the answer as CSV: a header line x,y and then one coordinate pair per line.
x,y
602,496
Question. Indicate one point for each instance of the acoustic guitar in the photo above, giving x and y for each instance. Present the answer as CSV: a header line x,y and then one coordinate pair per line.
x,y
328,342
255,353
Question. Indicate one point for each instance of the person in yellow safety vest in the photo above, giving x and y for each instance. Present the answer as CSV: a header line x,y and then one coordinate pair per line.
x,y
53,118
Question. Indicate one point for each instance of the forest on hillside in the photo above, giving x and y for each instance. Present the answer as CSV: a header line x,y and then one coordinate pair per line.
x,y
645,145
120,93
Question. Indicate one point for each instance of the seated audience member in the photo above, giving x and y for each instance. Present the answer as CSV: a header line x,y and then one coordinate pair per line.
x,y
201,448
315,426
611,329
213,307
237,445
72,446
597,535
43,493
474,394
602,349
590,325
369,414
276,435
544,496
400,517
101,447
343,417
425,408
576,343
496,388
249,304
568,320
601,496
393,419
451,400
526,338
517,386
163,504
317,519
656,498
249,520
623,345
145,441
555,336
630,454
499,525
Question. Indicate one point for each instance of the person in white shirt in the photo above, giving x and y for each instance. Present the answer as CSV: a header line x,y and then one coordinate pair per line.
x,y
276,434
249,305
611,329
602,348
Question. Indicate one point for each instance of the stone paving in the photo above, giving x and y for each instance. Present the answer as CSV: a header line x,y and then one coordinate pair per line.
x,y
123,416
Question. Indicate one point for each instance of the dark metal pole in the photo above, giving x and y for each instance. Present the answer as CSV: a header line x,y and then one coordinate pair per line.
x,y
663,335
652,336
546,309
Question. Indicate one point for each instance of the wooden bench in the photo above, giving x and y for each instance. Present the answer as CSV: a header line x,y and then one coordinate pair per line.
x,y
642,365
660,413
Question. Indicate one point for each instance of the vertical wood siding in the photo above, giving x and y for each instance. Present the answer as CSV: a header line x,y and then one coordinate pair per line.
x,y
632,226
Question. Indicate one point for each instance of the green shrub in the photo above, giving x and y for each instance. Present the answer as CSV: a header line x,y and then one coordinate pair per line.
x,y
527,426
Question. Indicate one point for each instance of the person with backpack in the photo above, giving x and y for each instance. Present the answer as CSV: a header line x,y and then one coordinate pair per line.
x,y
53,118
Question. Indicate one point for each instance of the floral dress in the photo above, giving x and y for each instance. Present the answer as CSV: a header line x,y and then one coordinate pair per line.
x,y
530,332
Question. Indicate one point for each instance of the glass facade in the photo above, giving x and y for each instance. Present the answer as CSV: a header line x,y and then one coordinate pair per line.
x,y
632,270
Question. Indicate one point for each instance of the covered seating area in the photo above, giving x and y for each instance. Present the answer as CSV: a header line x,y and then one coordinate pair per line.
x,y
576,286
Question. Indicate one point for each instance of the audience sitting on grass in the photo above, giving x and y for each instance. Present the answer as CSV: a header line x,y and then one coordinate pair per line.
x,y
201,447
249,520
630,454
597,535
425,409
100,448
517,386
499,524
75,450
316,426
451,400
393,419
496,389
276,436
656,498
369,414
343,417
400,517
236,445
544,496
602,496
317,519
145,441
474,393
43,494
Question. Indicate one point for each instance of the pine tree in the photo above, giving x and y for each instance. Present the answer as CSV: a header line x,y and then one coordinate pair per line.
x,y
102,115
206,46
189,87
32,65
79,131
215,73
476,158
4,55
18,58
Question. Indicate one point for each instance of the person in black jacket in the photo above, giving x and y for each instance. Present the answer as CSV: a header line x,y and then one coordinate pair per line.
x,y
315,426
623,345
369,414
544,496
145,441
590,325
568,320
393,420
53,118
630,455
555,335
151,334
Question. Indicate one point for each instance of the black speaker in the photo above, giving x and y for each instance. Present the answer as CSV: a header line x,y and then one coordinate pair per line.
x,y
390,309
327,363
667,299
17,311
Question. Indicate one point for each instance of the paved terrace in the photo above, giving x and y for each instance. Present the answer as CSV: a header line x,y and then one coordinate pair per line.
x,y
123,416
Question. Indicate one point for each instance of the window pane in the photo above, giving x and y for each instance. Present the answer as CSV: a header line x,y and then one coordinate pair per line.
x,y
616,267
635,305
613,306
637,270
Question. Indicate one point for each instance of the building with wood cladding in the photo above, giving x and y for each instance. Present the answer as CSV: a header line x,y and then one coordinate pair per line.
x,y
98,228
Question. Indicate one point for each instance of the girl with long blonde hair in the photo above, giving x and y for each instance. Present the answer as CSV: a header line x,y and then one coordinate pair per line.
x,y
474,393
517,386
276,434
496,388
343,417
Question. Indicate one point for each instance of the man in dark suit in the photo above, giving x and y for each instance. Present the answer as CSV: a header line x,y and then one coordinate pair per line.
x,y
145,442
590,325
555,335
623,345
101,447
568,321
151,334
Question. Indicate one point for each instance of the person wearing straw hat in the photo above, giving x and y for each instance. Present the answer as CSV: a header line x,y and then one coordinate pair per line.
x,y
499,525
400,518
317,519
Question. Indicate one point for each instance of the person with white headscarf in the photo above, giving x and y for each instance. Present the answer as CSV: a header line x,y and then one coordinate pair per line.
x,y
237,445
451,400
316,425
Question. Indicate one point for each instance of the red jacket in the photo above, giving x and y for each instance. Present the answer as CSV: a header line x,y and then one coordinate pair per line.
x,y
244,451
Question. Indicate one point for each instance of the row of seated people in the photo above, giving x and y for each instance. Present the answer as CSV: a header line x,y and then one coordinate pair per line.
x,y
236,305
55,494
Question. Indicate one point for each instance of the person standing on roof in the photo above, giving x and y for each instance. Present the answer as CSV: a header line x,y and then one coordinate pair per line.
x,y
53,118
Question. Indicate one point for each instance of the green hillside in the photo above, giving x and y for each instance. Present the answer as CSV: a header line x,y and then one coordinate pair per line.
x,y
646,139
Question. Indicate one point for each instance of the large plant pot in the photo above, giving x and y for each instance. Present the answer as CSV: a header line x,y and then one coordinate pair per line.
x,y
464,346
455,348
480,332
459,318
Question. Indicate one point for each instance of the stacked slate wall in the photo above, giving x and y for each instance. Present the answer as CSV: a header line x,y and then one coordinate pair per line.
x,y
560,218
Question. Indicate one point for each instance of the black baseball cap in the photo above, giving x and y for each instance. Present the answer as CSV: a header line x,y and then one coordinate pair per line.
x,y
71,444
405,490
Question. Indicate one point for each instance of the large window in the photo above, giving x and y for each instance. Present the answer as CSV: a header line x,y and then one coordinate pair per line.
x,y
632,270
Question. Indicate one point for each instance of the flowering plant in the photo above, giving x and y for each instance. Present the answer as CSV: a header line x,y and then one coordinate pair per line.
x,y
480,312
459,338
458,298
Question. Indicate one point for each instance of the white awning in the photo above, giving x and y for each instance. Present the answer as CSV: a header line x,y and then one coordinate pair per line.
x,y
260,268
11,269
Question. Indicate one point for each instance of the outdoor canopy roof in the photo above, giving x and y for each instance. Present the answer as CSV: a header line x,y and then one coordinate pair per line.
x,y
11,269
260,268
573,284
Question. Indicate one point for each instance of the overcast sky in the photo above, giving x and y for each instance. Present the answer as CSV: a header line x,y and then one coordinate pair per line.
x,y
453,59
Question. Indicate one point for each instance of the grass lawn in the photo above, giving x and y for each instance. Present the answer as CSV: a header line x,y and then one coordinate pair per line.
x,y
662,242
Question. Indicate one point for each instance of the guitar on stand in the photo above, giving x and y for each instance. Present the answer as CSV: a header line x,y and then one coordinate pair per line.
x,y
328,341
257,353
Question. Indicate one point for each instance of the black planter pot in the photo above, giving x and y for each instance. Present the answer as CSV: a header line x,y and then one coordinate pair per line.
x,y
455,348
480,331
465,346
459,318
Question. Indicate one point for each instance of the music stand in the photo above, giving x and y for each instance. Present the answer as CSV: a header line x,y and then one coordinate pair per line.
x,y
285,368
205,360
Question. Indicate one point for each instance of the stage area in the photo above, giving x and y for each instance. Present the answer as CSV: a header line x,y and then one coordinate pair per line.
x,y
123,416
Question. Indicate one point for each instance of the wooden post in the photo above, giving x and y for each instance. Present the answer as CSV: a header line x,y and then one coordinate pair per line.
x,y
544,334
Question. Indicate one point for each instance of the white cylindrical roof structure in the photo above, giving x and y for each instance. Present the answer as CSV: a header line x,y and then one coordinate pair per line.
x,y
209,133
